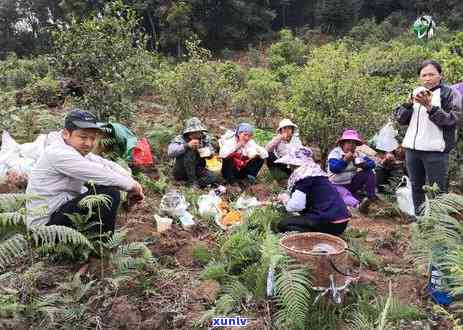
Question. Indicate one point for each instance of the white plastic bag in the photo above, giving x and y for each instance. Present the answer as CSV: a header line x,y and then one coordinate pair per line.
x,y
186,219
8,143
208,204
173,203
404,197
20,158
33,150
247,202
386,138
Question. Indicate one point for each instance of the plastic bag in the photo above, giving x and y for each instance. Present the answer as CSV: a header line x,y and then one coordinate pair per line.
x,y
33,150
247,202
404,196
386,138
142,155
186,219
173,203
208,204
10,158
8,143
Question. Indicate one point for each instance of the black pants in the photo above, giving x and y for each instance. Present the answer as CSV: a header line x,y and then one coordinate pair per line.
x,y
304,224
232,175
108,214
272,165
426,167
192,168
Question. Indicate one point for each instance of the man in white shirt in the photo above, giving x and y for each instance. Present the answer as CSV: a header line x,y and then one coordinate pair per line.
x,y
66,165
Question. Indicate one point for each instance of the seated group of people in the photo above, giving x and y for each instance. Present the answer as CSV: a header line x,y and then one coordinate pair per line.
x,y
320,197
67,166
242,158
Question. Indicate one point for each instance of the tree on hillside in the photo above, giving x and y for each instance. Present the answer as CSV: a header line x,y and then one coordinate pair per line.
x,y
232,23
8,18
332,94
24,25
150,13
106,54
177,23
336,16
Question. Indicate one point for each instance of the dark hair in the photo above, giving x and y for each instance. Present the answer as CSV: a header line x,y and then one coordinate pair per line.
x,y
435,64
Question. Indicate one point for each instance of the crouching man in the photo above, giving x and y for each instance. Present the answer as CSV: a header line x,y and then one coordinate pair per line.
x,y
190,150
66,165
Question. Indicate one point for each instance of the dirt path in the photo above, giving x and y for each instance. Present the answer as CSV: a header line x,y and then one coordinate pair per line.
x,y
390,242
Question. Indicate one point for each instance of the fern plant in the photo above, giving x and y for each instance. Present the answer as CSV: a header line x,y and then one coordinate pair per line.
x,y
246,259
158,186
293,297
379,313
18,239
438,237
69,307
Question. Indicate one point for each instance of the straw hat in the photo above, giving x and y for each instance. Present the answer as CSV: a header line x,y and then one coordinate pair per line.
x,y
286,123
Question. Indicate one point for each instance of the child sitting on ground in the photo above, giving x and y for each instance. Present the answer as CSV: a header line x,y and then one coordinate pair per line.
x,y
352,169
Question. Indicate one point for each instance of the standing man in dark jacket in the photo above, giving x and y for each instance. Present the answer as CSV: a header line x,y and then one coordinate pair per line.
x,y
432,114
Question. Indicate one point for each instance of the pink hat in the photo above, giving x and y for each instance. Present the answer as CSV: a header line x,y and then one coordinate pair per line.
x,y
352,135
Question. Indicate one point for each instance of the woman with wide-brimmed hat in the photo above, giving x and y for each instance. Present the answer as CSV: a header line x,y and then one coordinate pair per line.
x,y
287,136
311,194
352,169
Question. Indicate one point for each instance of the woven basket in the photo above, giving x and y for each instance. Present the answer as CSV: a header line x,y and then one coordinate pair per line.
x,y
301,247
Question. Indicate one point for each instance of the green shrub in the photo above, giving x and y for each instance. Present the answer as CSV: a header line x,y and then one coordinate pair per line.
x,y
395,58
108,57
46,91
16,73
332,94
198,85
288,50
263,92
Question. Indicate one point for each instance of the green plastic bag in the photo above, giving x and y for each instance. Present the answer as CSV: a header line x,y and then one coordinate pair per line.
x,y
125,140
424,27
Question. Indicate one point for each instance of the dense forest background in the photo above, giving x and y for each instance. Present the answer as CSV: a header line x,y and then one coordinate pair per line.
x,y
26,25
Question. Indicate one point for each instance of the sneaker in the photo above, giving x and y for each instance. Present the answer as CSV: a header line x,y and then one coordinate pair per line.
x,y
252,179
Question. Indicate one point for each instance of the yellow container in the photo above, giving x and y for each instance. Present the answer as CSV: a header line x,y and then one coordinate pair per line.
x,y
214,164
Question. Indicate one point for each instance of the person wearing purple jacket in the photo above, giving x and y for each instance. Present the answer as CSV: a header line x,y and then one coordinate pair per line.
x,y
432,114
352,169
312,195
